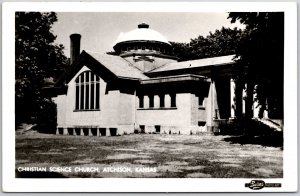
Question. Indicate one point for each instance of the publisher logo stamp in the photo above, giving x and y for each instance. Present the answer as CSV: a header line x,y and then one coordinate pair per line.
x,y
259,184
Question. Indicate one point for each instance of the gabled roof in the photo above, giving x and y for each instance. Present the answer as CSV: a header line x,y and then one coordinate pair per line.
x,y
195,63
108,66
119,66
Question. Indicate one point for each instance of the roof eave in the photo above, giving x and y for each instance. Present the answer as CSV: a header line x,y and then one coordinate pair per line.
x,y
177,78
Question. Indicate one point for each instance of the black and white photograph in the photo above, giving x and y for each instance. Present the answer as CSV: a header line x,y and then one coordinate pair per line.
x,y
136,93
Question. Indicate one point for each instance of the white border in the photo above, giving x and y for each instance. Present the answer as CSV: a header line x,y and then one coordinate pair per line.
x,y
11,184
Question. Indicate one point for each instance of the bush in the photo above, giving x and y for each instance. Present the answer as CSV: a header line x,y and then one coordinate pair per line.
x,y
46,118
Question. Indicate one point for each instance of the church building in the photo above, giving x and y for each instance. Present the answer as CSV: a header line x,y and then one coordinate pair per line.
x,y
144,88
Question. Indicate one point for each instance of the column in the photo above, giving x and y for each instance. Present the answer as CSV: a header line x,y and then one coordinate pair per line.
x,y
232,98
146,101
90,132
81,132
167,101
238,98
244,101
156,101
214,102
266,113
256,108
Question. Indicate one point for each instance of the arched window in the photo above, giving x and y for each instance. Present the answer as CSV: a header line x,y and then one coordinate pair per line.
x,y
87,91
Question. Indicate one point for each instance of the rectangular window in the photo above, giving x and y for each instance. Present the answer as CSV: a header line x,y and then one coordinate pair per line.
x,y
201,123
94,131
157,128
102,131
77,131
142,127
141,101
200,100
173,100
162,101
85,131
151,101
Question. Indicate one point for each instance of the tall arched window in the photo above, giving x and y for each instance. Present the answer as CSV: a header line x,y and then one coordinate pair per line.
x,y
87,91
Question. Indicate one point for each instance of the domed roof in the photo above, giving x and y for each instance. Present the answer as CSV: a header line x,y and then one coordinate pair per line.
x,y
142,33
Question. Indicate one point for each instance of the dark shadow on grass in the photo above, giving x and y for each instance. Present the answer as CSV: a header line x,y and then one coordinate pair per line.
x,y
251,132
26,174
270,140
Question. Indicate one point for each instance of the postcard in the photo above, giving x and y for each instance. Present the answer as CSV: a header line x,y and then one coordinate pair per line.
x,y
149,97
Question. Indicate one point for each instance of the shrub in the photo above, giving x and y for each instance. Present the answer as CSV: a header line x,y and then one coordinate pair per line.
x,y
46,118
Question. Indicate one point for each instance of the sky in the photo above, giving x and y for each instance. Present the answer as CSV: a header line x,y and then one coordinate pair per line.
x,y
99,31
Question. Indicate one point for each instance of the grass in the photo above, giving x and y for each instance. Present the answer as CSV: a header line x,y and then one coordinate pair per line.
x,y
179,156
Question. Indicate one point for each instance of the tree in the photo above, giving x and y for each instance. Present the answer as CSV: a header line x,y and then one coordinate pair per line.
x,y
261,50
37,59
221,42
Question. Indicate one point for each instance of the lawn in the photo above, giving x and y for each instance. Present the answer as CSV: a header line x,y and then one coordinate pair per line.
x,y
179,156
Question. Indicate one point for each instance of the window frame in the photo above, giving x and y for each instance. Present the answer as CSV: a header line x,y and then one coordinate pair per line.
x,y
83,97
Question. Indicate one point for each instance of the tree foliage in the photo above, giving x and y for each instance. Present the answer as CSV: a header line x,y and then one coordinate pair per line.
x,y
221,42
261,49
37,58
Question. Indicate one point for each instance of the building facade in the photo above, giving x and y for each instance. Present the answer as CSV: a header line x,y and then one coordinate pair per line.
x,y
144,88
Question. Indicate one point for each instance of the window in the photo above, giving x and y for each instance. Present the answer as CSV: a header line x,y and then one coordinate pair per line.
x,y
200,100
162,101
173,100
87,91
142,127
141,101
157,128
151,101
201,123
102,131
